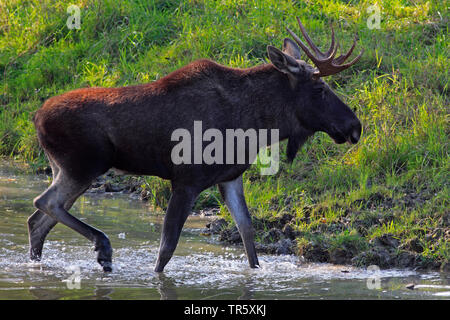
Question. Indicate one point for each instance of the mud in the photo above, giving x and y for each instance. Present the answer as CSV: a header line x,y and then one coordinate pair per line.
x,y
278,235
385,251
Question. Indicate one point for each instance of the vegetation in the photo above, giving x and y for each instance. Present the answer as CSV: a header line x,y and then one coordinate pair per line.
x,y
392,185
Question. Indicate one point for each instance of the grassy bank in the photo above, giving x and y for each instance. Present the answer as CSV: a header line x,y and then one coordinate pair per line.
x,y
342,200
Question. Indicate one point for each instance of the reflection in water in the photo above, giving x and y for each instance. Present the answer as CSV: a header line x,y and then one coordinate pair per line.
x,y
44,294
103,293
246,294
200,269
166,287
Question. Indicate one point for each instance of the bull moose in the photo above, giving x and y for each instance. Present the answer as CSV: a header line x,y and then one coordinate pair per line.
x,y
88,131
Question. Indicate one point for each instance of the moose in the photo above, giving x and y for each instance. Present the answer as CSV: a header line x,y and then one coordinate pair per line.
x,y
86,132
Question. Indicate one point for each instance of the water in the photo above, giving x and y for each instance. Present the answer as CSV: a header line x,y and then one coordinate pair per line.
x,y
201,268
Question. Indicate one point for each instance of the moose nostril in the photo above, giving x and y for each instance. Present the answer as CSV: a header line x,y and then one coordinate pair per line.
x,y
354,138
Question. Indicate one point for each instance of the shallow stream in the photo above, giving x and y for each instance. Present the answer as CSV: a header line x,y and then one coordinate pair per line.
x,y
201,268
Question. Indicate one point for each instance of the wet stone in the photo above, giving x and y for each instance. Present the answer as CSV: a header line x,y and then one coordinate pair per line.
x,y
283,246
410,286
230,235
289,232
273,235
412,245
316,253
386,240
216,226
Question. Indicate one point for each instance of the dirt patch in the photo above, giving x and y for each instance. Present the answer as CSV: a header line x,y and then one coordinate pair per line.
x,y
409,199
278,236
273,236
110,182
374,201
387,252
315,252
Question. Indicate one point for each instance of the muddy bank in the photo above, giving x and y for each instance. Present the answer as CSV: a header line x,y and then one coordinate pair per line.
x,y
280,235
272,237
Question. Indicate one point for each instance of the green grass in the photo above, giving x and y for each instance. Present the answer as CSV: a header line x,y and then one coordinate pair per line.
x,y
394,181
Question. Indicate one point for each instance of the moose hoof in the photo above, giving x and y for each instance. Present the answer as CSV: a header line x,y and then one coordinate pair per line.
x,y
103,247
104,259
107,266
35,255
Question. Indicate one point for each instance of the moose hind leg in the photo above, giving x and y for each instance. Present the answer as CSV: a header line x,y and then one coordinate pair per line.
x,y
54,202
180,205
233,194
40,224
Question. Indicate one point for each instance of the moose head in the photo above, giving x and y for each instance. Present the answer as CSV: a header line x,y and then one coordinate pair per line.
x,y
318,107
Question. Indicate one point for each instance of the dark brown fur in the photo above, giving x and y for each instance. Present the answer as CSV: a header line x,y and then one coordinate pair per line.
x,y
130,128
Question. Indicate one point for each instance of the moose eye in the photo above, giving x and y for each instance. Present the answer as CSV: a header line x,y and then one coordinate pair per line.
x,y
317,91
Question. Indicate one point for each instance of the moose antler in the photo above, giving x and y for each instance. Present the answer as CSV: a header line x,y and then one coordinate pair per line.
x,y
325,62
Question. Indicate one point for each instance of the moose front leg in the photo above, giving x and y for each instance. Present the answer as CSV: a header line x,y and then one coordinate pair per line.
x,y
180,205
233,194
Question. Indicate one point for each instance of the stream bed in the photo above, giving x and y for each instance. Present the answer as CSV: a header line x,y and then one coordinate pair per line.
x,y
201,268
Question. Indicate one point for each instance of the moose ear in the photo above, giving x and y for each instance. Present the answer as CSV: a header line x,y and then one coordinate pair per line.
x,y
291,48
282,61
